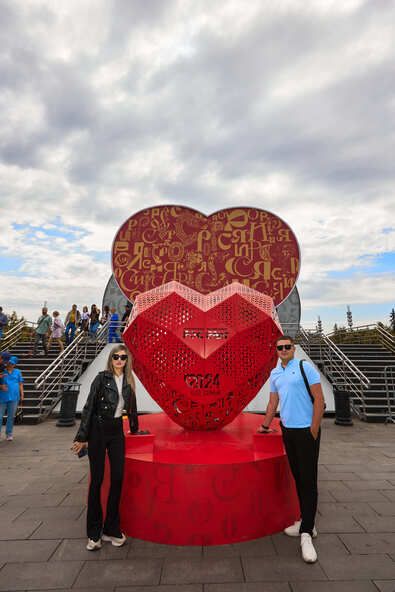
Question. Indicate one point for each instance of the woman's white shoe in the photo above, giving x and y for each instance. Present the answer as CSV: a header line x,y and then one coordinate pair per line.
x,y
293,530
93,545
115,541
309,554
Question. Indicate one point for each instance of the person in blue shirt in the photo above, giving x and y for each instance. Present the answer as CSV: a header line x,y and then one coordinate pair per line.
x,y
113,327
10,396
301,430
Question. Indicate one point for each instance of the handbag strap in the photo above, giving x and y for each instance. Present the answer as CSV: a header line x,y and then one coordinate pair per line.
x,y
303,373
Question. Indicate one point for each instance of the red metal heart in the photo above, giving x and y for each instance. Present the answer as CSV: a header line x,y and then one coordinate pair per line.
x,y
165,243
203,358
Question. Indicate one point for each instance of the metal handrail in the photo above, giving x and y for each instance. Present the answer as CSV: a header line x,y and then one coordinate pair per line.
x,y
51,381
389,378
342,371
12,336
384,337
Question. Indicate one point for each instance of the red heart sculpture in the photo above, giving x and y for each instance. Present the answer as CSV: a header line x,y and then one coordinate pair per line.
x,y
203,358
166,243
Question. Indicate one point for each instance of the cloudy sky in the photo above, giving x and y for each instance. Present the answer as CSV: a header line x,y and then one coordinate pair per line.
x,y
110,106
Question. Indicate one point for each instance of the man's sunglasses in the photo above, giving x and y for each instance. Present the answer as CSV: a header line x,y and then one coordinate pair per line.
x,y
288,346
122,357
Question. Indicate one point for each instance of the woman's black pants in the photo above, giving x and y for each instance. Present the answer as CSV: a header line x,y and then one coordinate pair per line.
x,y
105,436
302,452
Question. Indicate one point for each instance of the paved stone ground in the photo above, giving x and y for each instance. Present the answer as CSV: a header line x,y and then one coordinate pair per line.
x,y
42,538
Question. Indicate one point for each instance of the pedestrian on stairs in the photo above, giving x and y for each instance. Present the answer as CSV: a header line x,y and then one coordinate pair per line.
x,y
57,331
301,411
44,324
112,393
72,321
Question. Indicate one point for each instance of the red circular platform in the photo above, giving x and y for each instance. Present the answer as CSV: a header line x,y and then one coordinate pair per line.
x,y
205,488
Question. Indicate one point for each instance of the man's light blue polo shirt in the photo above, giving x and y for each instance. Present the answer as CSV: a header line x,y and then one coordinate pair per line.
x,y
296,409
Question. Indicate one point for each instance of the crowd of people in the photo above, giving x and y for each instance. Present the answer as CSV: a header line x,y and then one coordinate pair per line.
x,y
51,329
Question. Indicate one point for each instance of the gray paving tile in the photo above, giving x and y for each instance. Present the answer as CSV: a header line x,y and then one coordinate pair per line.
x,y
59,529
257,547
359,586
383,508
385,586
22,529
46,514
325,544
166,588
75,549
205,570
365,485
139,548
388,494
281,569
361,567
38,576
119,573
17,551
33,501
247,587
369,543
341,523
369,495
378,524
347,508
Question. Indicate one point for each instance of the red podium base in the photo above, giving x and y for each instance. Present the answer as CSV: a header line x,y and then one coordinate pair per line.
x,y
205,488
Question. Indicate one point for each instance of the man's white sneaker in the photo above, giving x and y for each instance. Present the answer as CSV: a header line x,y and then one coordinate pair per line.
x,y
93,545
293,530
308,552
115,541
10,438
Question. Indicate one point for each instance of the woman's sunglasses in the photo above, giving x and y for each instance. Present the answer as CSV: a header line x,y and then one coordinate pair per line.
x,y
288,346
122,357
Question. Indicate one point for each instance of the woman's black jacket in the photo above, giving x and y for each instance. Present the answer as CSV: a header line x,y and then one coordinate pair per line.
x,y
102,402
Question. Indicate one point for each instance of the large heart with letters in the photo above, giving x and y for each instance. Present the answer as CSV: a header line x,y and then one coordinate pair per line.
x,y
166,243
203,358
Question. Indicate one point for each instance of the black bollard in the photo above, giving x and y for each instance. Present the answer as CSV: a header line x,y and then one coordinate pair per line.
x,y
68,405
342,408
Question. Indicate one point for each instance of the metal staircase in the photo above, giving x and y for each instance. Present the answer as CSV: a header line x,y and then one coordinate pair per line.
x,y
46,376
362,363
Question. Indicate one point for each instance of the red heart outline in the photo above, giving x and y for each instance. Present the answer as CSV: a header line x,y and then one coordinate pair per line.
x,y
165,243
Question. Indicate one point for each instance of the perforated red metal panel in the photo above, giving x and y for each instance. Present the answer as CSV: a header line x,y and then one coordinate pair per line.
x,y
203,357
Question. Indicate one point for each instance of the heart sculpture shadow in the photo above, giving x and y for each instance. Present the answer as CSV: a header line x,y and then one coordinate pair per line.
x,y
203,358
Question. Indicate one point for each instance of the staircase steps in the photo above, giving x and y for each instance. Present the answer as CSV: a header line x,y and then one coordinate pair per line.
x,y
31,368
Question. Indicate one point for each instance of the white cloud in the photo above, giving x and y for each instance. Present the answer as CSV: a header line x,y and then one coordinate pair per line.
x,y
110,107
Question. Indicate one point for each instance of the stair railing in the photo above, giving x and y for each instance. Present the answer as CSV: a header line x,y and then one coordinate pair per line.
x,y
13,335
380,333
389,378
343,373
66,367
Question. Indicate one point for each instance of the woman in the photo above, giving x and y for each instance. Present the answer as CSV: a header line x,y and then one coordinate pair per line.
x,y
101,429
85,319
57,331
10,395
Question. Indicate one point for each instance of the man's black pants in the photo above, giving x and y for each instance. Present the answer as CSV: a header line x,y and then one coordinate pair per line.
x,y
105,435
302,452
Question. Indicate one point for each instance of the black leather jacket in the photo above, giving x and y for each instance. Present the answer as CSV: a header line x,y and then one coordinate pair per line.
x,y
102,402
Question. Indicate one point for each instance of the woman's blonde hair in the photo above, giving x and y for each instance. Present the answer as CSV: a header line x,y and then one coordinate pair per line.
x,y
128,366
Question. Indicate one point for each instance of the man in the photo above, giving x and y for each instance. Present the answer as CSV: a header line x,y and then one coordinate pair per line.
x,y
72,321
113,327
300,422
3,322
44,324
